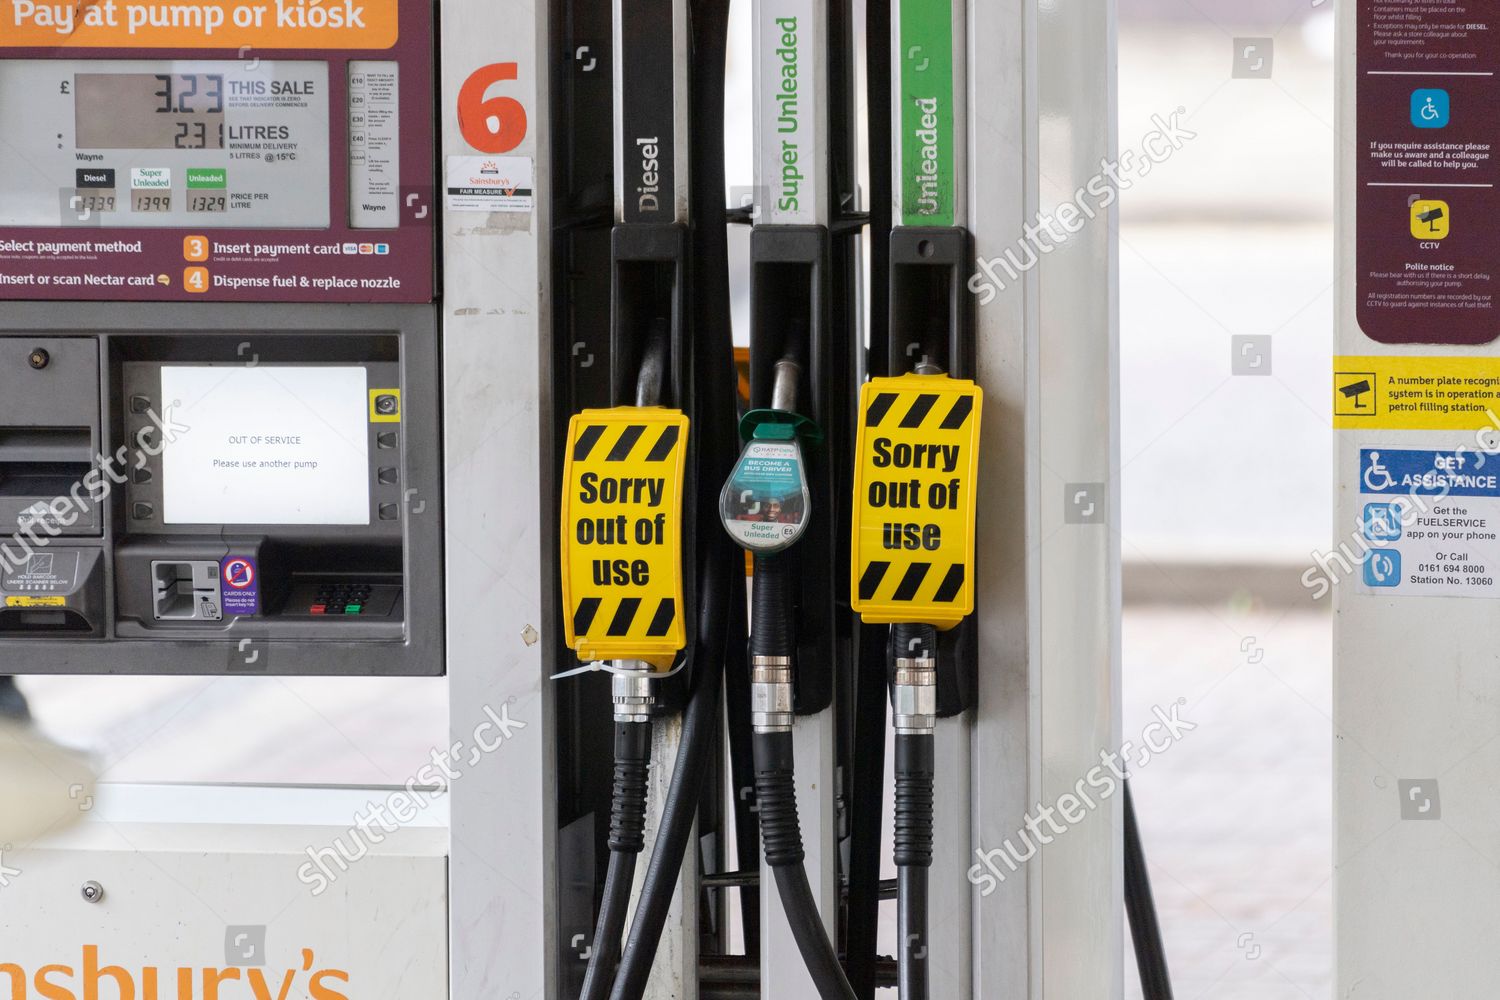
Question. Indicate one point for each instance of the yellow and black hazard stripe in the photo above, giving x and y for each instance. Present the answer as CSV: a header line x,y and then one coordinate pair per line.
x,y
625,618
921,411
919,582
625,437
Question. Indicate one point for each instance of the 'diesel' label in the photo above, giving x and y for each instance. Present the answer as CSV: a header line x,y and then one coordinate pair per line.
x,y
622,534
916,460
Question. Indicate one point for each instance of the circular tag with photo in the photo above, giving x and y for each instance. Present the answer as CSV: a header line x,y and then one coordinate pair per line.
x,y
765,503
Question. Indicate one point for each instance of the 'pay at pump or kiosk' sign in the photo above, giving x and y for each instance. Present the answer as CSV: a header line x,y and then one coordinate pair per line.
x,y
622,534
914,490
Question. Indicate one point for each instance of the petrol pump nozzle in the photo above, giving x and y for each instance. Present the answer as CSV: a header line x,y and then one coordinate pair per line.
x,y
764,507
633,698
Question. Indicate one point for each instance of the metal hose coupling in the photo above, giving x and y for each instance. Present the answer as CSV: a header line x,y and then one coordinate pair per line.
x,y
771,694
914,698
630,685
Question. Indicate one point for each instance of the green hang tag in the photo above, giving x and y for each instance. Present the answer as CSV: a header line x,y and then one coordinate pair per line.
x,y
765,503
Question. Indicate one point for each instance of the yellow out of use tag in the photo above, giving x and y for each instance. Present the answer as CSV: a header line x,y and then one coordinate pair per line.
x,y
622,534
916,461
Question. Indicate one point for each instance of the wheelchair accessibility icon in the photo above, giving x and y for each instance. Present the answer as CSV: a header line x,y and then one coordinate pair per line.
x,y
1378,478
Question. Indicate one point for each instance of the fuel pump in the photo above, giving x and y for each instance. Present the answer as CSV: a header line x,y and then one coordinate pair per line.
x,y
624,524
803,322
929,341
816,480
912,566
220,437
623,584
766,507
669,339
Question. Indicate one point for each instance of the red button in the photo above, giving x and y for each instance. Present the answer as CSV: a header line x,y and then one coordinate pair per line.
x,y
317,609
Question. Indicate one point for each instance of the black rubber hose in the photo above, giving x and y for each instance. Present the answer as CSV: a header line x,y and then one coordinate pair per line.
x,y
627,838
773,628
915,767
913,640
627,818
699,728
913,855
781,838
1145,930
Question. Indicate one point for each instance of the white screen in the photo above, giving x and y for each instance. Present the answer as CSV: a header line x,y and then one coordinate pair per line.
x,y
265,445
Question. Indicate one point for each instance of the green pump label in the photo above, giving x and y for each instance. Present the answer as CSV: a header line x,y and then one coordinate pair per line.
x,y
926,95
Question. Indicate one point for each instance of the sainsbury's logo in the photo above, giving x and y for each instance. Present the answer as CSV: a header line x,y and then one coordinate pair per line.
x,y
84,982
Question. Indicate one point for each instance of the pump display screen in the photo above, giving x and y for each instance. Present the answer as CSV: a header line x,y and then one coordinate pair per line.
x,y
222,151
265,445
137,143
149,111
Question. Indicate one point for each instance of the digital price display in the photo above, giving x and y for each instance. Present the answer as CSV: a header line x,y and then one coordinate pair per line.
x,y
149,111
165,143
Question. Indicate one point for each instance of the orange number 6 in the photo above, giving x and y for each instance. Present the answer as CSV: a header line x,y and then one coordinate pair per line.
x,y
495,124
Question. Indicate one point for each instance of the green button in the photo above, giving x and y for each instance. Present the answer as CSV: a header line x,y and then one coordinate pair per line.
x,y
207,177
352,609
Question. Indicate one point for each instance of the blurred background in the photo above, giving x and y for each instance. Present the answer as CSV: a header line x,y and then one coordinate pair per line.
x,y
1226,282
1226,259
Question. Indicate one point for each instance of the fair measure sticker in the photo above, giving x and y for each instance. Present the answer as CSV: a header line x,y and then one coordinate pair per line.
x,y
622,534
916,461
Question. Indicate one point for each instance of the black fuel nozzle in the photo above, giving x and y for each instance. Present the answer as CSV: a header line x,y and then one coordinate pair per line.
x,y
766,504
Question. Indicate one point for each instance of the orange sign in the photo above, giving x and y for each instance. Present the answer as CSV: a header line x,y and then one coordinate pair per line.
x,y
202,24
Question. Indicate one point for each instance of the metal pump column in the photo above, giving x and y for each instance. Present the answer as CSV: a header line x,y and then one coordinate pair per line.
x,y
650,283
790,288
930,257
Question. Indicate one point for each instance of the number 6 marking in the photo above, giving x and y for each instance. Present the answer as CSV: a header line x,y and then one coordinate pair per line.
x,y
495,124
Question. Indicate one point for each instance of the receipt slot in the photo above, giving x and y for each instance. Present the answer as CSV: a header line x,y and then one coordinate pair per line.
x,y
219,356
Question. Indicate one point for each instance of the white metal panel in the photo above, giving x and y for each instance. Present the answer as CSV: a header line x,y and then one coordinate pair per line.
x,y
1079,421
1002,196
495,314
950,927
1417,901
214,880
1042,117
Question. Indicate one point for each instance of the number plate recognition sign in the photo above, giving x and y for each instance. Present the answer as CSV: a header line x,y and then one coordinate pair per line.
x,y
916,460
622,534
227,150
